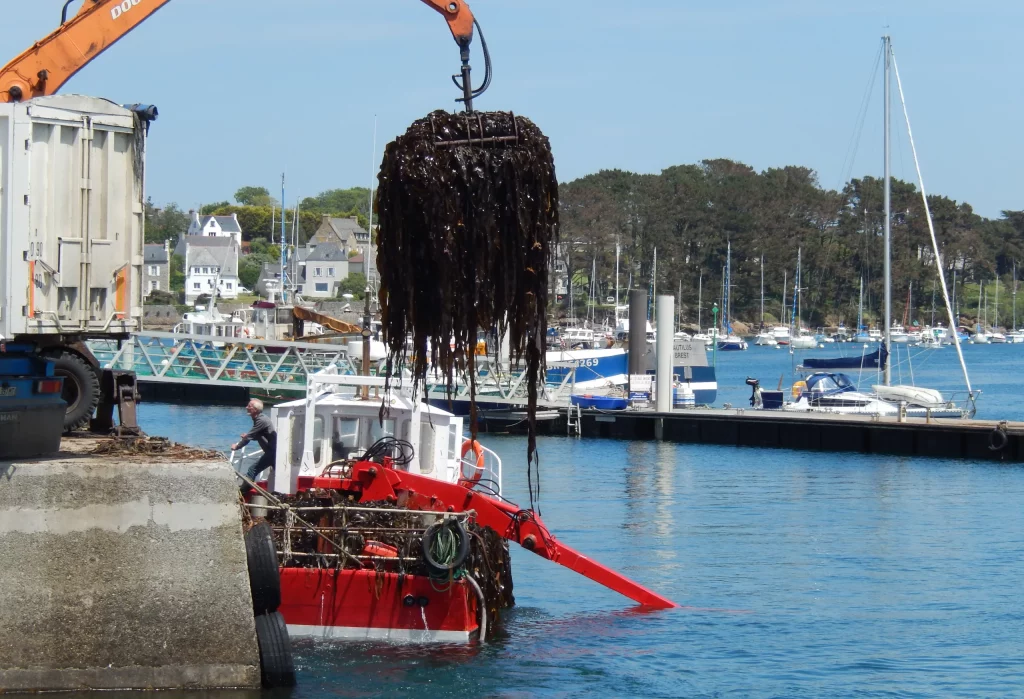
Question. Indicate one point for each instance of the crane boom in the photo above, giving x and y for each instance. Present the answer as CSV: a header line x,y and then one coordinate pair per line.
x,y
45,66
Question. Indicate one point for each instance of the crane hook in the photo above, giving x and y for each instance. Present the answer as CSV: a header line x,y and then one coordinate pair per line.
x,y
464,81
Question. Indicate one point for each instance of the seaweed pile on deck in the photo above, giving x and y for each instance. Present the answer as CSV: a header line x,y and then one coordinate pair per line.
x,y
387,538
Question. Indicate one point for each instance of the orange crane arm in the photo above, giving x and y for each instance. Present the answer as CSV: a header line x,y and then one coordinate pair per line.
x,y
49,63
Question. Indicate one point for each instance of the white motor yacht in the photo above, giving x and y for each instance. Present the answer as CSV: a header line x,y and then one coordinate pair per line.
x,y
781,334
804,340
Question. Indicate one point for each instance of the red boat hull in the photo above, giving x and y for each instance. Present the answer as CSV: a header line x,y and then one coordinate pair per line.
x,y
372,606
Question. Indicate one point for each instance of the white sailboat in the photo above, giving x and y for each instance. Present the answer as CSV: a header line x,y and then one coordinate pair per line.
x,y
912,396
729,341
765,337
801,338
1016,336
994,336
980,337
836,393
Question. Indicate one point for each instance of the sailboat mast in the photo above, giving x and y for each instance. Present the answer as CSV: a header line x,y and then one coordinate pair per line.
x,y
977,319
762,291
932,324
679,305
887,100
1015,296
956,309
700,292
860,309
728,272
995,322
799,291
654,283
616,281
785,283
284,244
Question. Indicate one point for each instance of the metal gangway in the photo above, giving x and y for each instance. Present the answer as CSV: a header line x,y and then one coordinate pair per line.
x,y
501,385
174,358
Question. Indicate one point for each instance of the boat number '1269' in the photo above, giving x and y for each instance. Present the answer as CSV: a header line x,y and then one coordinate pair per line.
x,y
125,6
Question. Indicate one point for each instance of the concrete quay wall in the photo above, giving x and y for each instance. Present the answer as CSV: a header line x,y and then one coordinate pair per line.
x,y
123,573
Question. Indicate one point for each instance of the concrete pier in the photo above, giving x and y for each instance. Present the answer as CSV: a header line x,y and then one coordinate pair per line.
x,y
123,572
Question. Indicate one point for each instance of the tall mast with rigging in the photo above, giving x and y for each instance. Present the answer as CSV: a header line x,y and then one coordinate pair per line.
x,y
886,99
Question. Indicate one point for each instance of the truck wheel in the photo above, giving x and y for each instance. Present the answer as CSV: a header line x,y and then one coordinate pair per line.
x,y
81,389
277,669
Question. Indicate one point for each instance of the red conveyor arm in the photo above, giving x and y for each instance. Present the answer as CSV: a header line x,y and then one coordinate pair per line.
x,y
514,524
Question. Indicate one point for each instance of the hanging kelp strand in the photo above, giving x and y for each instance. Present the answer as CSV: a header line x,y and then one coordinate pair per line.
x,y
468,214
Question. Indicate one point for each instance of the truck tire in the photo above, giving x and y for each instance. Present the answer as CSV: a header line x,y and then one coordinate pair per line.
x,y
81,389
277,668
264,574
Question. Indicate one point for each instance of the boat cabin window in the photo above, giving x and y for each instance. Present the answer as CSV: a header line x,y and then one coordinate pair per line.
x,y
318,438
830,383
377,431
345,438
454,444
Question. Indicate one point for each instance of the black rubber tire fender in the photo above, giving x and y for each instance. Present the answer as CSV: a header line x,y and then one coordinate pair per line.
x,y
277,667
264,573
81,388
998,439
428,540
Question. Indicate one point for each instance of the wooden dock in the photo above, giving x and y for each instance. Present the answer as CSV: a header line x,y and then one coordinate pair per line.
x,y
958,439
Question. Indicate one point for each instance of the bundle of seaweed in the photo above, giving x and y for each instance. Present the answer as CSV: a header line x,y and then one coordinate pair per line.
x,y
468,213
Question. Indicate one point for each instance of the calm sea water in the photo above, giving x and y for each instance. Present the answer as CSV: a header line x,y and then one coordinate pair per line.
x,y
802,574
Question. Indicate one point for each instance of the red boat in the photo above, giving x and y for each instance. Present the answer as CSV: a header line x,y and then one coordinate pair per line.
x,y
379,540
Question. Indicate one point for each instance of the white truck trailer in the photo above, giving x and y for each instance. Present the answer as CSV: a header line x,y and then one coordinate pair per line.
x,y
72,207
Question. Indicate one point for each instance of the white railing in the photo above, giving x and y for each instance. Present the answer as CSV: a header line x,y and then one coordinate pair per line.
x,y
490,474
493,385
265,364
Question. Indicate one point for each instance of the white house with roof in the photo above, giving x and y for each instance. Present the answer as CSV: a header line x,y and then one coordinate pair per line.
x,y
215,227
211,261
323,270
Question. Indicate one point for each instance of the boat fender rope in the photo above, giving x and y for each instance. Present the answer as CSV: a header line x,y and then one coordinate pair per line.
x,y
998,439
441,553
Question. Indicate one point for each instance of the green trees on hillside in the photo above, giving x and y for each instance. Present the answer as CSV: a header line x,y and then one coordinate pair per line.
x,y
690,213
260,214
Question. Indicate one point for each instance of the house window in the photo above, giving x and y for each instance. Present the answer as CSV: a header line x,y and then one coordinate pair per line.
x,y
196,286
153,271
321,287
318,272
154,285
330,271
230,286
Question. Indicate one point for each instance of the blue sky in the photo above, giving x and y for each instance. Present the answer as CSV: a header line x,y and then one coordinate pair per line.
x,y
250,88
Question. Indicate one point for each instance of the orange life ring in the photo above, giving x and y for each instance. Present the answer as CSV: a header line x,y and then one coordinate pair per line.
x,y
478,470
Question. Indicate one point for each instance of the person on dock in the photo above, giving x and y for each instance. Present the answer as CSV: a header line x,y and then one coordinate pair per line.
x,y
262,432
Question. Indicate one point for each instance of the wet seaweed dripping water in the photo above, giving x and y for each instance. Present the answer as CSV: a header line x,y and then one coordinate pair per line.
x,y
468,213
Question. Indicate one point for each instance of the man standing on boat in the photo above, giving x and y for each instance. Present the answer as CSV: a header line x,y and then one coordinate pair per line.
x,y
262,432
